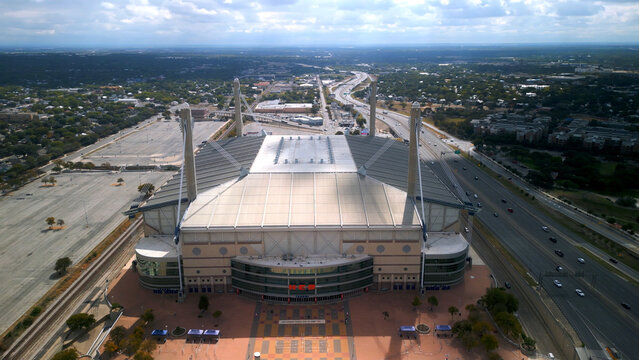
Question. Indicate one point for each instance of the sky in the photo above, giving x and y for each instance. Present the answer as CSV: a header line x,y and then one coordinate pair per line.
x,y
167,23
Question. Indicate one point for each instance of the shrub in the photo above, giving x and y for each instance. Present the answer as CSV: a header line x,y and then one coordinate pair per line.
x,y
81,320
68,354
36,311
147,316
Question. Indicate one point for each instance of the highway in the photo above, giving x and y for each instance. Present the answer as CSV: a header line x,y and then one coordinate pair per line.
x,y
598,317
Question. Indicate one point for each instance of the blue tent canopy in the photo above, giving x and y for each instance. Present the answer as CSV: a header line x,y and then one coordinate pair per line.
x,y
195,332
159,333
211,332
407,328
442,328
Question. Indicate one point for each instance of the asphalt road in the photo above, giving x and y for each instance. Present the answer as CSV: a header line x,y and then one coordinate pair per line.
x,y
598,318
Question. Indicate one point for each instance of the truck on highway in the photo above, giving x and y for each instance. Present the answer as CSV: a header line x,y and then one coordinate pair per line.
x,y
614,354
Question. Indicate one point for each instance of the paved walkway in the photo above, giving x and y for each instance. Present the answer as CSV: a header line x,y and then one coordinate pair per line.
x,y
301,341
247,326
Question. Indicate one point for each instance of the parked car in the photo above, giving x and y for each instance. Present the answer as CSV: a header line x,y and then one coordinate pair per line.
x,y
560,253
504,201
559,268
495,214
553,239
580,293
510,210
507,285
557,283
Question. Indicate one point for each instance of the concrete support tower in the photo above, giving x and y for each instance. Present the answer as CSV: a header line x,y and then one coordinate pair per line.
x,y
189,157
373,105
415,126
238,108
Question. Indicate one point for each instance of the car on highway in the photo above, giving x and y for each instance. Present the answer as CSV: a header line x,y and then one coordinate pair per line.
x,y
466,229
545,228
495,214
612,260
553,239
504,201
580,293
507,285
467,193
626,305
475,196
557,283
464,168
581,260
510,210
559,268
476,177
559,252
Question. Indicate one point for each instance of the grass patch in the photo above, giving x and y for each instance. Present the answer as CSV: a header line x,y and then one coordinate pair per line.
x,y
20,325
607,168
598,205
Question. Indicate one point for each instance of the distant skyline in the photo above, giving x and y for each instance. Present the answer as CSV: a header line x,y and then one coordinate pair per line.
x,y
169,23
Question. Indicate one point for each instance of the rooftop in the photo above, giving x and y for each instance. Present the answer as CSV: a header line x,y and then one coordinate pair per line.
x,y
444,243
301,199
157,246
384,160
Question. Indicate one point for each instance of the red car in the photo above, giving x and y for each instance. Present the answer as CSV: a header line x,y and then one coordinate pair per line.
x,y
510,210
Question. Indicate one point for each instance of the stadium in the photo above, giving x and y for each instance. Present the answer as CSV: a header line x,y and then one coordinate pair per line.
x,y
305,218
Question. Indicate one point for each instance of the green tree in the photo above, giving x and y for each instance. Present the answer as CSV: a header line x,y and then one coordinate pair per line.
x,y
146,188
60,222
496,298
470,340
111,347
68,354
461,327
79,321
148,346
453,310
50,221
432,300
52,180
217,314
416,301
508,324
203,304
528,343
147,316
142,355
120,180
62,264
489,341
482,327
118,333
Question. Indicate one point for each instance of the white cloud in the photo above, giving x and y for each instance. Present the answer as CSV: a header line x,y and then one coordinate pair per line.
x,y
290,22
140,11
